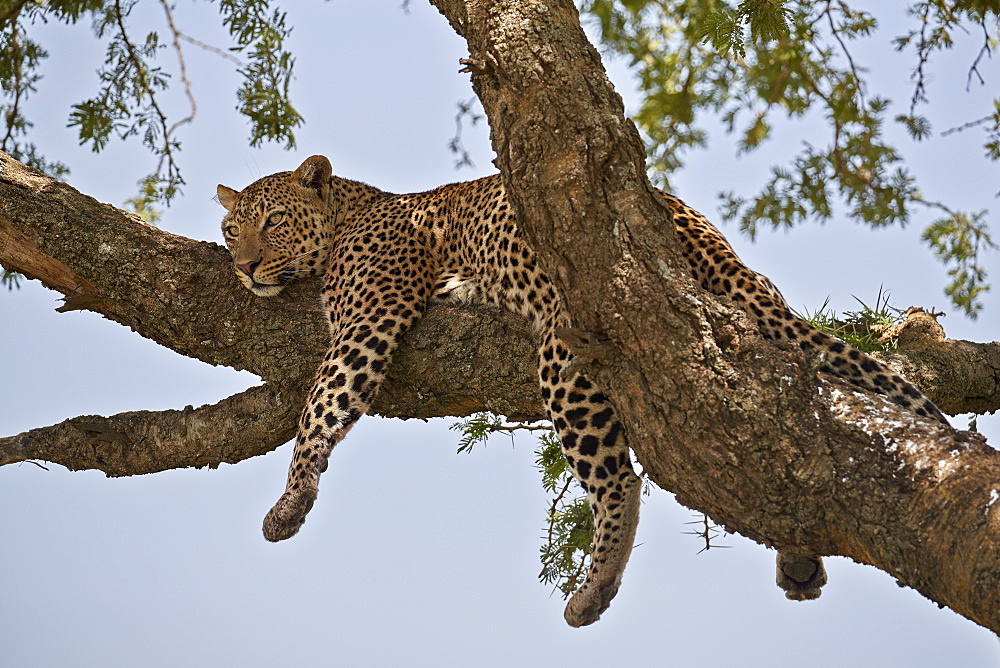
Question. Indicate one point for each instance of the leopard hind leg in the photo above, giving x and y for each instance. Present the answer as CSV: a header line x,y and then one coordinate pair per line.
x,y
593,443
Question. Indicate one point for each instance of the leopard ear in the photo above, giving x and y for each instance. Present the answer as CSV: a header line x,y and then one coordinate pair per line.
x,y
315,173
227,196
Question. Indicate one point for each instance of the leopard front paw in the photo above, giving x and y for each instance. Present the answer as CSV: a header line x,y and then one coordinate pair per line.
x,y
287,516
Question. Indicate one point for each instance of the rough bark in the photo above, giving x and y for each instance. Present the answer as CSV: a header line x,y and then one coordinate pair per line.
x,y
732,426
865,479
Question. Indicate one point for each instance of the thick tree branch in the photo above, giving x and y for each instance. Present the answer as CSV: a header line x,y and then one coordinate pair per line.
x,y
731,425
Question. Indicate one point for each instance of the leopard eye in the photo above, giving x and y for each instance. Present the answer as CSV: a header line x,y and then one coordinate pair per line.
x,y
274,219
231,231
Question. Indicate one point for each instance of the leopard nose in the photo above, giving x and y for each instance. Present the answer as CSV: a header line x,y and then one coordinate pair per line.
x,y
248,267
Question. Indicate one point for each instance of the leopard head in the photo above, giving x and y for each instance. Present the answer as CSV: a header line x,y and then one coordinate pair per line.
x,y
279,227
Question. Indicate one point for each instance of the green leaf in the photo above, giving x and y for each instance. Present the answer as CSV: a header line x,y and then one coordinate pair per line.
x,y
961,240
476,429
264,94
918,126
725,31
10,279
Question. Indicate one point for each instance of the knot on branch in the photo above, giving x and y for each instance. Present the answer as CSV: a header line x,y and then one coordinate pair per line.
x,y
920,329
474,66
99,432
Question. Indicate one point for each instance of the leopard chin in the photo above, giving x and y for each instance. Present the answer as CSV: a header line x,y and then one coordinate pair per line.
x,y
259,289
265,290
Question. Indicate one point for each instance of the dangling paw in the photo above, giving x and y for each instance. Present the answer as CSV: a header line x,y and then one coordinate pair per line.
x,y
587,604
287,516
801,577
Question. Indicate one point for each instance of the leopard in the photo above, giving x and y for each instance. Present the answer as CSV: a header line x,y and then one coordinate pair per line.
x,y
385,258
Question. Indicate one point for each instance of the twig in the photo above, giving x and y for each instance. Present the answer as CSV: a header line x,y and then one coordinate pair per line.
x,y
455,145
923,55
212,49
935,205
966,126
552,513
522,425
184,77
167,154
985,50
847,53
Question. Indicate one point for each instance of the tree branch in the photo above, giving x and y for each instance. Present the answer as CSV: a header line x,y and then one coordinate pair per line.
x,y
960,376
244,425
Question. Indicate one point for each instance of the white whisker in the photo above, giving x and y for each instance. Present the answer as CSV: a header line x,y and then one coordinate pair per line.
x,y
298,259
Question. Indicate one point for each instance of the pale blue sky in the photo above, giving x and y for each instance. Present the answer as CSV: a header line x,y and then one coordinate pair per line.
x,y
413,555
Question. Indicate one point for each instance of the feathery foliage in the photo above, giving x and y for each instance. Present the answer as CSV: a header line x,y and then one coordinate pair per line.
x,y
761,66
